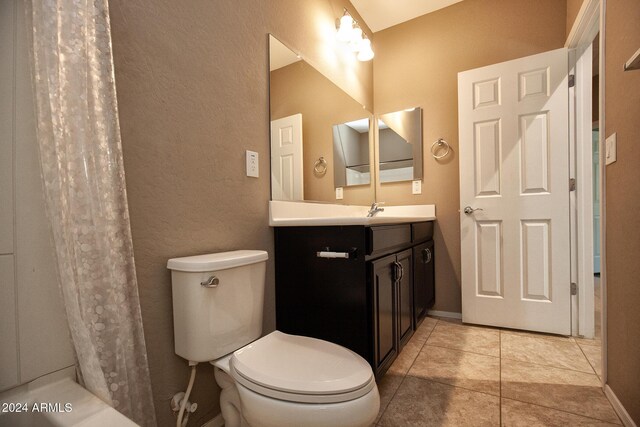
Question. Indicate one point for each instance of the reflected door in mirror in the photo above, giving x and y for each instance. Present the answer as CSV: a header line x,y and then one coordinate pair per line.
x,y
287,179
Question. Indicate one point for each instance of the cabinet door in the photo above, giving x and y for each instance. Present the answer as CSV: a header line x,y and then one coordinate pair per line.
x,y
424,280
405,296
384,312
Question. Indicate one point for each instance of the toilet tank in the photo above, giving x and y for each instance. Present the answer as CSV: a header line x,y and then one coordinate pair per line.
x,y
217,302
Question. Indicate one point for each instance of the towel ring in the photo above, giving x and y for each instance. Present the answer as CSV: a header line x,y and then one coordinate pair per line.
x,y
320,166
440,143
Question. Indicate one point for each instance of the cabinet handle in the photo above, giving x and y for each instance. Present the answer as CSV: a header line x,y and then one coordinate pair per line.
x,y
328,253
399,271
396,272
426,256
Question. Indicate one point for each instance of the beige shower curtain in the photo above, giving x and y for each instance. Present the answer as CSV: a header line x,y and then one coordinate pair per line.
x,y
86,200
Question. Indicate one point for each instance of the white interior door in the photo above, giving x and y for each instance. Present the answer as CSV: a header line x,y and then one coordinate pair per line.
x,y
596,201
514,170
287,182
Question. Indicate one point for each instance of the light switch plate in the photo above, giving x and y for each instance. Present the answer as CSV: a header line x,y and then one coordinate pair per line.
x,y
339,193
252,164
416,187
611,154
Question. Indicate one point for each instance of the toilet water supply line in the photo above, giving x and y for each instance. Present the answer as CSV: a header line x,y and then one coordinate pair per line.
x,y
180,422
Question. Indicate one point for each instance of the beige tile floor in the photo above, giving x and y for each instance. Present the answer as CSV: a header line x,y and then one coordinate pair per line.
x,y
450,374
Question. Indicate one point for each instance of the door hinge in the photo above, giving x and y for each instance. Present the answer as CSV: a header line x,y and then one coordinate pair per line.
x,y
572,80
574,289
572,184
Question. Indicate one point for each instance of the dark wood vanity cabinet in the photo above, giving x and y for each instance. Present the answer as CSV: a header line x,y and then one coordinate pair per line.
x,y
392,286
369,302
424,295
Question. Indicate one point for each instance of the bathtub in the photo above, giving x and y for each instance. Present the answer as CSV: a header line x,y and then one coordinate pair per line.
x,y
57,400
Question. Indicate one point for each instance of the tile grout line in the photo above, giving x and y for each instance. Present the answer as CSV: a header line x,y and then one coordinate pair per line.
x,y
538,405
500,331
589,361
554,366
431,380
391,400
404,376
466,351
421,347
562,410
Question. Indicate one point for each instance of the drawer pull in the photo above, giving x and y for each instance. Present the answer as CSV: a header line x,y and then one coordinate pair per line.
x,y
324,254
327,253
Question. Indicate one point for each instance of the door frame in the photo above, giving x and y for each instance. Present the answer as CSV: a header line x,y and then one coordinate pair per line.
x,y
589,22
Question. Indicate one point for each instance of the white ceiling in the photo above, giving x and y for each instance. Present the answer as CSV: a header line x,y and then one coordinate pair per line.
x,y
381,14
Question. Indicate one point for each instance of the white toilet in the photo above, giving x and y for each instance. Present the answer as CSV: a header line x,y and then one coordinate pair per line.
x,y
277,380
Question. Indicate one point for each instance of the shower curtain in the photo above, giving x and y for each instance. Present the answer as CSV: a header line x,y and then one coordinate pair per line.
x,y
86,201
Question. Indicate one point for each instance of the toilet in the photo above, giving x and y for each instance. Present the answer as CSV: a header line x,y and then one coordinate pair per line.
x,y
272,381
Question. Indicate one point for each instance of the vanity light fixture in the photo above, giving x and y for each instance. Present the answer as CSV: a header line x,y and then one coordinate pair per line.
x,y
350,33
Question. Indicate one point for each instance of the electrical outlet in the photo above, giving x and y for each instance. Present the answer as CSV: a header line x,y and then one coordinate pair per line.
x,y
339,193
611,154
252,164
416,187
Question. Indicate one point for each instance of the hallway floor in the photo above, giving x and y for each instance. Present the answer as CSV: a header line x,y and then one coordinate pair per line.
x,y
450,374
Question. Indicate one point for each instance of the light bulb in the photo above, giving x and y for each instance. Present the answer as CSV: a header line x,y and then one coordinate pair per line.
x,y
366,53
356,39
346,28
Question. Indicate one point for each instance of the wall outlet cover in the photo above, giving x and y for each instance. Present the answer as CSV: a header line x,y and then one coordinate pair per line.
x,y
252,164
339,193
416,187
610,153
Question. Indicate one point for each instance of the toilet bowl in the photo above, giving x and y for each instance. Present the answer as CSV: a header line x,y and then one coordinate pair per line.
x,y
276,380
289,380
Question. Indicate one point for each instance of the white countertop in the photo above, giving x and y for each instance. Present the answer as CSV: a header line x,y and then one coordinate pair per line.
x,y
289,214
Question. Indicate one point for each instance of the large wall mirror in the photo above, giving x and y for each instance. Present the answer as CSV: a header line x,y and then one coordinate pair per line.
x,y
320,136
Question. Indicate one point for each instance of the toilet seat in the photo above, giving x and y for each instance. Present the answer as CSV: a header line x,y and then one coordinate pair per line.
x,y
301,369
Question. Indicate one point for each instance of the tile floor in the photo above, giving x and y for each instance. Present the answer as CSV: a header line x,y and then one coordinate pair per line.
x,y
450,374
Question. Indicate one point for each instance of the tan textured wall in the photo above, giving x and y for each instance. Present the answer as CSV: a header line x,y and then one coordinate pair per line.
x,y
193,96
573,7
416,64
299,88
622,116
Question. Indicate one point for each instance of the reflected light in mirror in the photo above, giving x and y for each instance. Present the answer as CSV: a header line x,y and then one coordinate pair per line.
x,y
346,27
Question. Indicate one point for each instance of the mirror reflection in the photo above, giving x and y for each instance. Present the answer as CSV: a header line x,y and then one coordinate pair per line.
x,y
351,153
400,145
305,109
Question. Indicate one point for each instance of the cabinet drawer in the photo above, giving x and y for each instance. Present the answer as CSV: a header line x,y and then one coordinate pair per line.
x,y
421,231
386,238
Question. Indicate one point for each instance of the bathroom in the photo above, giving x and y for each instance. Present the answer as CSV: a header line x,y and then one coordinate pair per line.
x,y
193,95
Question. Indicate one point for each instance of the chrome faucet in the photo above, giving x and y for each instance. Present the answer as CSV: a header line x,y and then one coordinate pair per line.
x,y
375,209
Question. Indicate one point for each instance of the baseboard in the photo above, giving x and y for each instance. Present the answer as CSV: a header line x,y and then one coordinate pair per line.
x,y
617,406
218,421
449,314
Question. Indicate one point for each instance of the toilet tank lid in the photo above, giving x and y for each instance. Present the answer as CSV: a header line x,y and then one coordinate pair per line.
x,y
218,261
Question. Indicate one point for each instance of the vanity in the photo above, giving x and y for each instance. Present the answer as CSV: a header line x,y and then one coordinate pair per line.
x,y
364,283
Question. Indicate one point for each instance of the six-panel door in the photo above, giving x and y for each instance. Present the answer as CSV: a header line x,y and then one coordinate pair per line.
x,y
514,193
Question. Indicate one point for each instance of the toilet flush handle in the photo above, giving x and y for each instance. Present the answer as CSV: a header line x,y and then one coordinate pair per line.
x,y
211,282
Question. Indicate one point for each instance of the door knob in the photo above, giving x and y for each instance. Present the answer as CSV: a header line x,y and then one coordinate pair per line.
x,y
469,210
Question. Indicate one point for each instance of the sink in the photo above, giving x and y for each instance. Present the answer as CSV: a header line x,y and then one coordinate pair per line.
x,y
289,214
